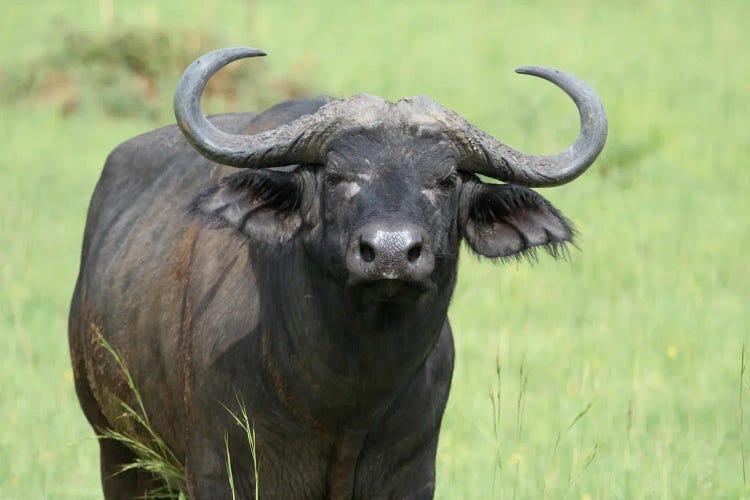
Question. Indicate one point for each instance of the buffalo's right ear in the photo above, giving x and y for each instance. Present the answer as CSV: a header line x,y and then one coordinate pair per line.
x,y
506,220
263,205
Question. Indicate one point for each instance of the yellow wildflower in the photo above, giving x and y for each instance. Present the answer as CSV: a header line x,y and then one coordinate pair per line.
x,y
672,351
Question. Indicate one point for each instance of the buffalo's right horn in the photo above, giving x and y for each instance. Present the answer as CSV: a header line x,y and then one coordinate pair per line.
x,y
301,141
285,145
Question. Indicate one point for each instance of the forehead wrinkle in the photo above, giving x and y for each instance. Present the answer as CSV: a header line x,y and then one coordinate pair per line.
x,y
433,161
403,145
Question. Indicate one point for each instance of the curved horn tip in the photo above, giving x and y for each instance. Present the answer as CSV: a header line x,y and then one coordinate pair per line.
x,y
234,53
207,139
220,57
537,70
552,170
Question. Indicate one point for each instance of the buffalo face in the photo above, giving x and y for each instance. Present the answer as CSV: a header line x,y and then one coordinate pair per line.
x,y
385,213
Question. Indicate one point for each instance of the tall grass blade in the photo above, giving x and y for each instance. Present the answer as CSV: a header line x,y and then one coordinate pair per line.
x,y
523,380
743,365
243,420
229,467
580,415
586,463
496,400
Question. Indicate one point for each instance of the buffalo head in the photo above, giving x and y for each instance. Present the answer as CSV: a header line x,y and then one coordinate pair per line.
x,y
381,193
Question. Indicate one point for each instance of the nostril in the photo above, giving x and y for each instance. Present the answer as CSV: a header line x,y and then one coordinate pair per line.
x,y
366,252
414,253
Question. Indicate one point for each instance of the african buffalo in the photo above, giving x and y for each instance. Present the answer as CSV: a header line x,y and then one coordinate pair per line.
x,y
300,261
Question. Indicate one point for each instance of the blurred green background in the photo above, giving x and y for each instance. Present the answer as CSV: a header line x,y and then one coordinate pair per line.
x,y
618,374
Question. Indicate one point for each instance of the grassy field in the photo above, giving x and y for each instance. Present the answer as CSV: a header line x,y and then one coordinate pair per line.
x,y
616,375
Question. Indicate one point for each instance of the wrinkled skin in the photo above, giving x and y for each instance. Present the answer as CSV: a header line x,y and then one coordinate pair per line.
x,y
218,285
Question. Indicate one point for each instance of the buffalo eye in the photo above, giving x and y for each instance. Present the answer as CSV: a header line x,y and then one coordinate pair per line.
x,y
448,182
333,179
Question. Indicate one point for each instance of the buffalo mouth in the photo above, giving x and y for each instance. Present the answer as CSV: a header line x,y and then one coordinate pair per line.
x,y
390,290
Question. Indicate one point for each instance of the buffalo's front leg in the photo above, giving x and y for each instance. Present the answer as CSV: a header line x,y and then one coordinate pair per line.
x,y
118,484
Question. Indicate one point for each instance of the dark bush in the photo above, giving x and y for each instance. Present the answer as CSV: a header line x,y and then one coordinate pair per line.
x,y
132,71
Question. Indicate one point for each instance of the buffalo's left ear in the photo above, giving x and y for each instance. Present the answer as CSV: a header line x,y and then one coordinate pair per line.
x,y
505,220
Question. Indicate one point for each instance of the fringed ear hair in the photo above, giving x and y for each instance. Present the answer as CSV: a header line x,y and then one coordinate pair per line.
x,y
509,221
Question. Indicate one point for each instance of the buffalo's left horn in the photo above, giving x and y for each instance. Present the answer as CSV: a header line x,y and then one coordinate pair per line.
x,y
481,153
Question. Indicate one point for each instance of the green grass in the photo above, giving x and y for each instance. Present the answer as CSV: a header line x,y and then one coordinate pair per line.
x,y
646,324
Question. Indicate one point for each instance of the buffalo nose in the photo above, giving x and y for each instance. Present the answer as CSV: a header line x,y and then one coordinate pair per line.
x,y
390,251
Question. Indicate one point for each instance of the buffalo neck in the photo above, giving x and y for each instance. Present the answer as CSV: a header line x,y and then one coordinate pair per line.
x,y
342,357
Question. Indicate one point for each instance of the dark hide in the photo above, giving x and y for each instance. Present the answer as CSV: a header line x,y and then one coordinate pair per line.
x,y
238,285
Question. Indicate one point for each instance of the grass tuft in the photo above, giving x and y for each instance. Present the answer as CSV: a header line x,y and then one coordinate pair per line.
x,y
153,455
